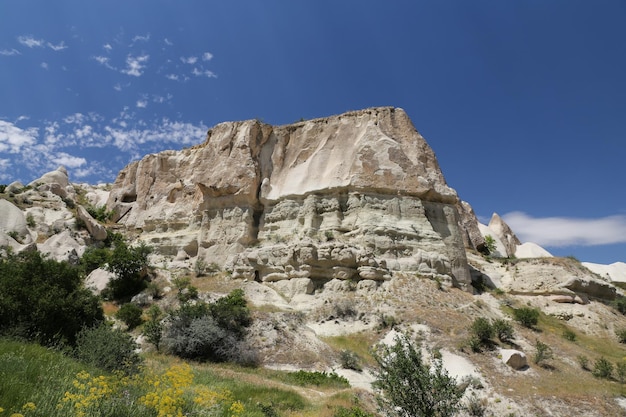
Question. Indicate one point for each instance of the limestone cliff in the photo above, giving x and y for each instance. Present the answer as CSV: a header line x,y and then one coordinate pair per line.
x,y
357,196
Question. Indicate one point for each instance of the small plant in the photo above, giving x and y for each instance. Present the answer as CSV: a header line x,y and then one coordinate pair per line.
x,y
490,244
543,352
153,328
353,411
329,235
328,379
482,329
620,370
620,304
30,220
569,335
602,368
3,188
476,407
583,361
526,316
99,213
475,344
350,360
387,321
13,234
130,314
107,348
503,330
621,335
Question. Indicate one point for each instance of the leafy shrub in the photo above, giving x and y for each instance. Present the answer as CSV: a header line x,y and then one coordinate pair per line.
x,y
128,264
620,370
620,304
476,407
543,352
621,335
327,379
503,330
602,368
353,411
130,314
99,213
583,361
43,300
30,220
153,328
569,335
3,188
475,344
211,331
108,349
94,258
350,360
482,329
527,317
490,244
412,387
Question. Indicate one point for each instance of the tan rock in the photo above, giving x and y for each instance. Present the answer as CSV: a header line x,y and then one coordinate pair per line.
x,y
514,358
96,230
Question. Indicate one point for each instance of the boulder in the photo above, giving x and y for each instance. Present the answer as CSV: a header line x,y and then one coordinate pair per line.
x,y
593,288
514,358
62,247
57,182
98,279
96,230
13,222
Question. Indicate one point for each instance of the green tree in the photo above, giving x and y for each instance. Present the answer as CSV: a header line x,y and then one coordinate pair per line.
x,y
107,348
490,244
128,264
44,300
526,316
410,387
130,314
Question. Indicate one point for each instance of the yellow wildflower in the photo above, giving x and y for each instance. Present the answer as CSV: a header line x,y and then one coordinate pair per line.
x,y
17,415
29,406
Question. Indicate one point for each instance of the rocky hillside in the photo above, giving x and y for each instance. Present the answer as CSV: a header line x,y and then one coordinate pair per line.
x,y
342,231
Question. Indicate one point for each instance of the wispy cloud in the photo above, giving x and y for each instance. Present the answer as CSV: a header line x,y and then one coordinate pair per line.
x,y
9,52
566,231
168,42
107,47
30,41
58,47
141,38
173,77
207,56
189,60
135,65
44,65
199,72
142,104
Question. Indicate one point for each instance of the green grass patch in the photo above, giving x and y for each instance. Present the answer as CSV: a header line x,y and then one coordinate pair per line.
x,y
359,343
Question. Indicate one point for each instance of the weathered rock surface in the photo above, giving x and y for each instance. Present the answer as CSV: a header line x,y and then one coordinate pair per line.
x,y
504,234
514,358
354,196
57,182
13,222
96,230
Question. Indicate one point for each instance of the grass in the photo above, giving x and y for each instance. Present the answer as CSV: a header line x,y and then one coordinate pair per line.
x,y
359,343
33,374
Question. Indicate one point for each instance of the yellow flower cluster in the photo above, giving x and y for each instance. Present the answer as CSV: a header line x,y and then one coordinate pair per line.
x,y
90,392
168,394
29,406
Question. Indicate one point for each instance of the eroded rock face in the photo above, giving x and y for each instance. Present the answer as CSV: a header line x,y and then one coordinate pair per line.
x,y
357,196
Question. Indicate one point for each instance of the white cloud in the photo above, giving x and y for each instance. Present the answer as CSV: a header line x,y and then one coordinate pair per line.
x,y
207,56
173,77
68,160
189,60
203,73
44,65
117,87
142,104
13,138
107,46
30,41
9,52
59,47
168,42
140,38
566,231
135,65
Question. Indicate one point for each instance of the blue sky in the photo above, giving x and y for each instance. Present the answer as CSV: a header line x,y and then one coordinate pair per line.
x,y
524,102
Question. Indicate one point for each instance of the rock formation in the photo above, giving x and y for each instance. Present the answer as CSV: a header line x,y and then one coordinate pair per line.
x,y
358,196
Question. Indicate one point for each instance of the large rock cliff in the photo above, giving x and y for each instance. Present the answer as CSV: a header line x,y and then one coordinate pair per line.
x,y
358,196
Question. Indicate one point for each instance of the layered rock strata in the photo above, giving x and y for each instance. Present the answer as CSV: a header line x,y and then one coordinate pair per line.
x,y
357,196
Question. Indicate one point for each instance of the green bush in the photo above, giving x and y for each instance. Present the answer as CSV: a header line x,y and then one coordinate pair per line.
x,y
107,348
569,335
583,361
326,379
490,244
350,360
527,317
128,264
482,329
602,368
3,188
130,314
43,300
503,330
213,331
621,335
353,411
543,352
94,258
99,213
620,304
411,387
